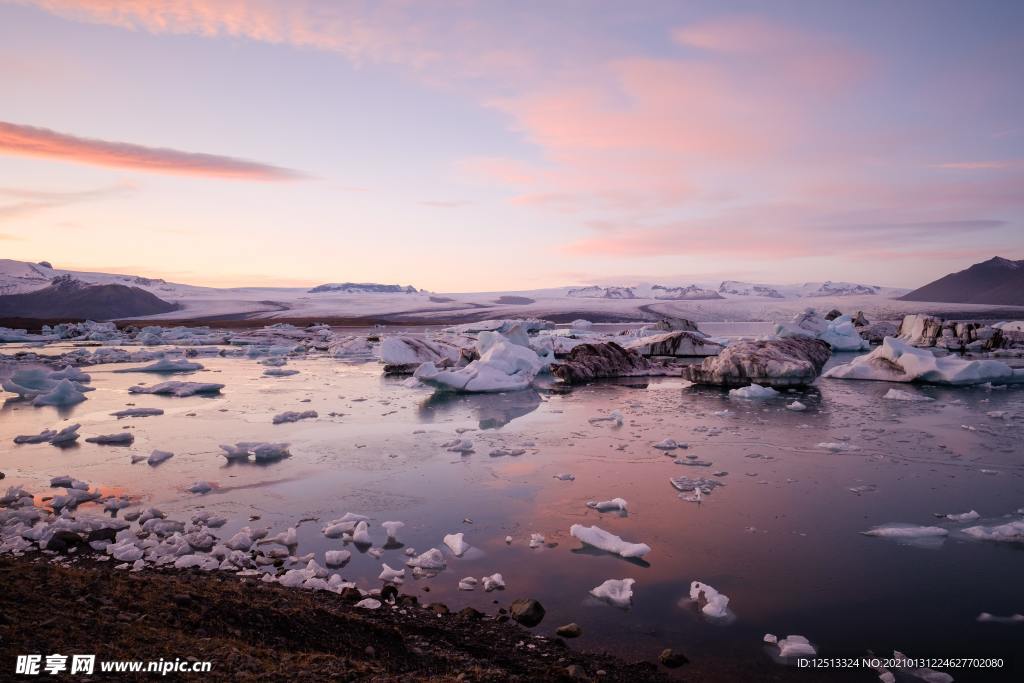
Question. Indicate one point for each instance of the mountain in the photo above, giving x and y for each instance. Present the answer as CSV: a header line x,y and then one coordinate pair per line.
x,y
749,289
690,293
66,298
595,292
840,289
998,281
362,288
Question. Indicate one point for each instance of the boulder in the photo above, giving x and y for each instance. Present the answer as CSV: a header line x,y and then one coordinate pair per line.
x,y
527,612
672,659
787,362
572,630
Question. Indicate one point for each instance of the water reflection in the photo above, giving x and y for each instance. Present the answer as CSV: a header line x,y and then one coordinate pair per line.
x,y
492,410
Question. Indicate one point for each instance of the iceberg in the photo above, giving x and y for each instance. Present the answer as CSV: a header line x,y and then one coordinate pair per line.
x,y
897,361
64,393
753,391
794,361
616,592
179,389
839,333
166,366
604,540
677,344
502,366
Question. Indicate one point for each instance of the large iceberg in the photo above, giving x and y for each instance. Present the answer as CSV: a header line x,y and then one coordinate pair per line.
x,y
898,361
502,366
794,361
587,362
683,343
839,333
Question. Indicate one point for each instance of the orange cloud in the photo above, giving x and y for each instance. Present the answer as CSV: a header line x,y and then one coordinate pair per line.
x,y
30,141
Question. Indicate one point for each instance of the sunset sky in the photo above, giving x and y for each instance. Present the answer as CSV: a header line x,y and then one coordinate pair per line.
x,y
470,146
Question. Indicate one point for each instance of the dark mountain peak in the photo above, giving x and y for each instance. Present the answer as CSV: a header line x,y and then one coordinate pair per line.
x,y
997,281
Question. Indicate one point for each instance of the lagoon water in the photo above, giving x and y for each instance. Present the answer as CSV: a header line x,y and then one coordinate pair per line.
x,y
780,538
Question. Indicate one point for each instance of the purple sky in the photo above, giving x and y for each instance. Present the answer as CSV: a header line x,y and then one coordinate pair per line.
x,y
468,146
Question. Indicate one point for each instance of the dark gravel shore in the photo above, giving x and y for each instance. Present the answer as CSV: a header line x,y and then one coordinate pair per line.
x,y
253,631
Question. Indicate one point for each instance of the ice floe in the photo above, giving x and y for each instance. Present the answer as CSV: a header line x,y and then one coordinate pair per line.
x,y
179,389
607,541
616,592
897,361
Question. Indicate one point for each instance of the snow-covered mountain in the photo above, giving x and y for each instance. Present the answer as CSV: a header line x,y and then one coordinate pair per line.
x,y
749,289
595,292
362,288
687,293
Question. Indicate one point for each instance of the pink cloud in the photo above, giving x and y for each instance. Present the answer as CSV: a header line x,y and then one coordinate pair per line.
x,y
30,141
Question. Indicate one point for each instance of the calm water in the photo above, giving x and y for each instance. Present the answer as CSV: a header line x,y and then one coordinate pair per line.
x,y
780,538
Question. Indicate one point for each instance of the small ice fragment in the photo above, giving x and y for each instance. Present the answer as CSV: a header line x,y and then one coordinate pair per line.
x,y
753,391
536,540
293,416
432,559
796,405
467,584
716,604
392,529
493,582
456,543
905,531
200,487
608,505
369,603
667,445
157,457
969,516
617,592
796,646
336,558
604,540
565,476
392,575
900,395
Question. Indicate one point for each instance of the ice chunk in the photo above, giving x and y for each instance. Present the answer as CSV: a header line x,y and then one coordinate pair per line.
x,y
716,604
796,406
293,416
117,439
900,395
337,558
433,559
456,543
179,389
905,531
896,361
392,529
167,366
1011,532
502,366
138,412
64,393
157,457
493,582
201,487
392,575
604,540
565,476
369,603
361,534
467,584
753,391
963,516
617,592
795,361
608,505
796,646
537,540
667,444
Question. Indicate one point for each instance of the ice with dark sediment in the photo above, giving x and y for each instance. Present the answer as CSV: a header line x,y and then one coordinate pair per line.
x,y
775,363
178,389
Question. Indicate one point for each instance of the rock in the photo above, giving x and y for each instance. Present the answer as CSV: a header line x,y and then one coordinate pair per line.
x,y
438,608
527,611
389,593
469,614
350,595
679,344
672,659
788,362
106,534
833,314
572,630
575,671
406,600
593,361
62,540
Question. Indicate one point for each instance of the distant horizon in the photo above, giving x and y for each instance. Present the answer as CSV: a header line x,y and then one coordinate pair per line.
x,y
485,147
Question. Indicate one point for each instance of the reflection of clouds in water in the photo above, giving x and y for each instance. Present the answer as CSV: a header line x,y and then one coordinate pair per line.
x,y
492,410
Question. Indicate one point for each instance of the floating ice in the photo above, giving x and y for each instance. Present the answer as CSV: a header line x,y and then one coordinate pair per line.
x,y
667,444
179,389
392,575
795,361
537,540
1011,532
565,476
615,417
896,361
502,366
167,366
138,412
716,604
64,393
463,446
608,505
66,435
293,416
279,372
905,531
467,584
392,529
963,516
200,487
369,603
991,618
616,592
839,333
796,646
838,446
361,534
900,395
493,582
157,457
337,558
456,543
262,451
796,405
118,439
433,559
604,540
753,391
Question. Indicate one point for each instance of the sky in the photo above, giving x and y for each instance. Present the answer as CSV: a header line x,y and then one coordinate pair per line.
x,y
509,145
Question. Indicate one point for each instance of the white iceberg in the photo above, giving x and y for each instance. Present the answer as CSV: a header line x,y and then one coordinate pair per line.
x,y
617,592
896,361
753,391
502,366
716,605
604,540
